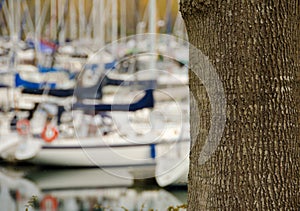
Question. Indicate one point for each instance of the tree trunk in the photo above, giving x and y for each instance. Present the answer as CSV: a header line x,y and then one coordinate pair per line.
x,y
253,48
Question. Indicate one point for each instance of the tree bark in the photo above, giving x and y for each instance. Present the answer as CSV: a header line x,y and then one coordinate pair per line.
x,y
253,46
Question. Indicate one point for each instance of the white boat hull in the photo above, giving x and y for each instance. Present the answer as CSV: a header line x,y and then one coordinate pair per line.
x,y
8,145
90,155
173,167
169,159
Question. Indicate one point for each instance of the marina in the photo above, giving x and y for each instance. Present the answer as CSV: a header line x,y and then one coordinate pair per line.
x,y
94,102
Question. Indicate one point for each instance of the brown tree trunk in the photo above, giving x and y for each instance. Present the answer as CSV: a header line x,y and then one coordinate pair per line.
x,y
252,46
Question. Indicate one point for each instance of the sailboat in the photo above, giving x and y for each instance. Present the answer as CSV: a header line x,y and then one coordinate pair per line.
x,y
106,148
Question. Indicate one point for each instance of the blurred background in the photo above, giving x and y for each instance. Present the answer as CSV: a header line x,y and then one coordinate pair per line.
x,y
94,106
131,16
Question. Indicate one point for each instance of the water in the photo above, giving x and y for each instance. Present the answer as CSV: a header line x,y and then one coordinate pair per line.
x,y
41,188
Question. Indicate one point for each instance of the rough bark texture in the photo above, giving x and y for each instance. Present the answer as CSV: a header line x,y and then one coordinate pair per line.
x,y
253,46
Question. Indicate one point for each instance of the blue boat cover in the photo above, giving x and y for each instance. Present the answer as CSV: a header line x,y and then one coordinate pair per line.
x,y
92,92
51,92
19,82
43,69
107,66
146,102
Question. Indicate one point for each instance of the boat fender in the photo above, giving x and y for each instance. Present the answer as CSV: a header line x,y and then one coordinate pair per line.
x,y
49,133
49,203
23,126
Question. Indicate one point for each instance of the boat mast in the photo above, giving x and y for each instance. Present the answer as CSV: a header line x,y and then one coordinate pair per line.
x,y
53,23
13,36
73,25
98,15
123,26
96,24
18,19
168,17
27,19
62,11
4,29
101,32
12,19
152,31
114,33
82,19
38,28
37,32
36,18
7,17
